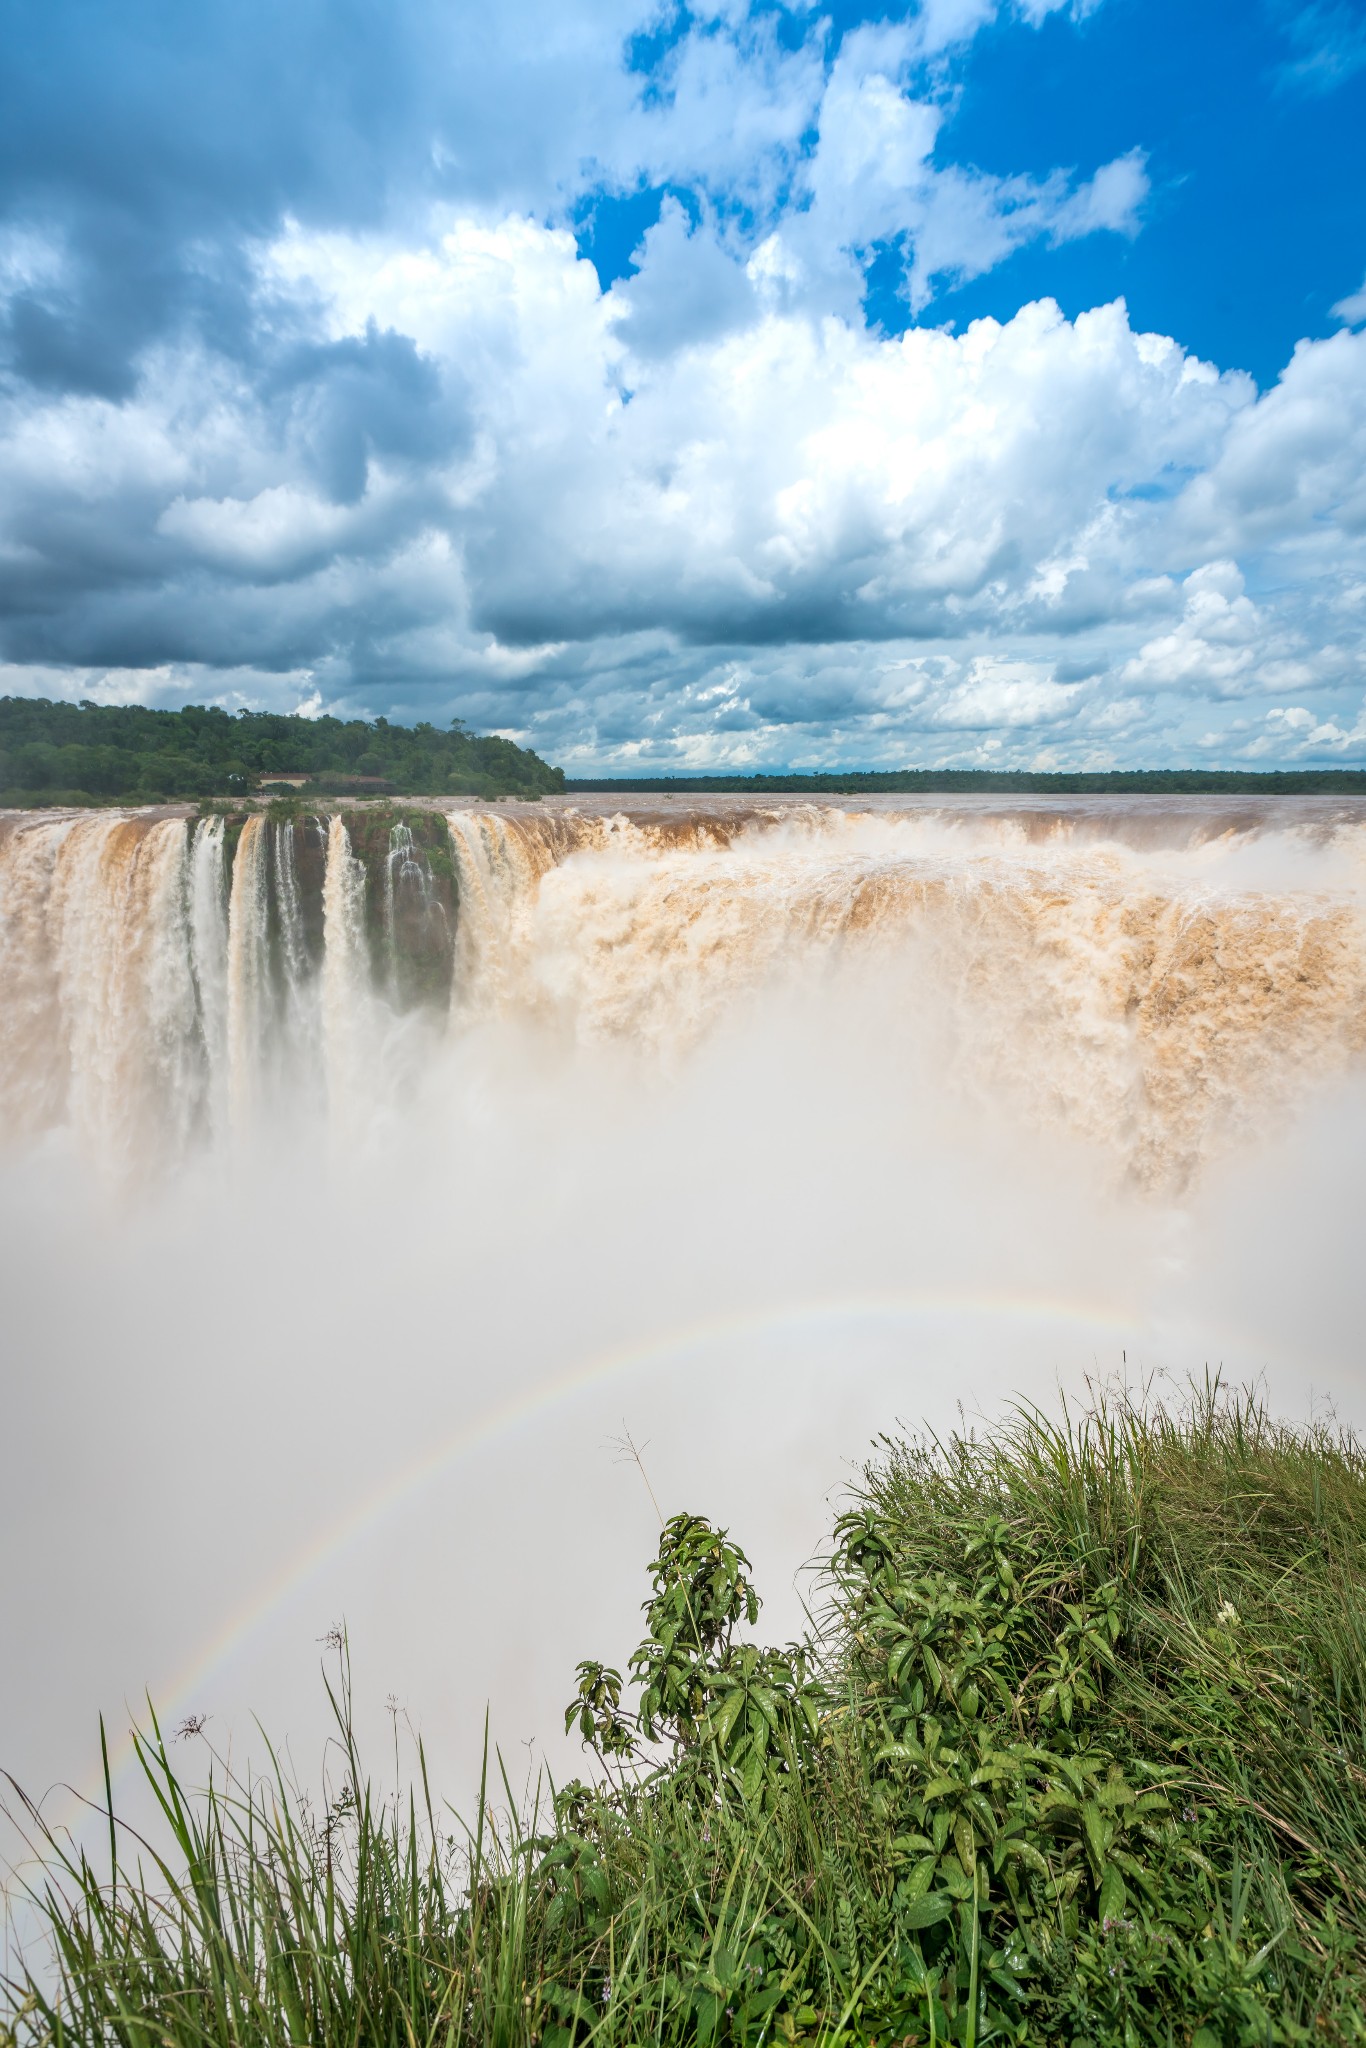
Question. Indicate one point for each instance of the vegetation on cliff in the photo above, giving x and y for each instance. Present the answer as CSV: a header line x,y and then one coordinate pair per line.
x,y
1002,782
1076,1754
62,753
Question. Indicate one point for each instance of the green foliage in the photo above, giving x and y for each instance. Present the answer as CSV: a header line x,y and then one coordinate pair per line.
x,y
1076,1758
1002,781
742,1716
51,752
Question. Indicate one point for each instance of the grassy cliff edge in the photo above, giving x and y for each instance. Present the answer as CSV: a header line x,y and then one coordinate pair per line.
x,y
1076,1753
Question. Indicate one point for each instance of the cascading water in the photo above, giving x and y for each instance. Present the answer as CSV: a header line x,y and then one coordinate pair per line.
x,y
161,979
754,1129
1161,1000
416,924
248,966
499,863
208,918
34,1063
294,962
346,992
1159,982
104,926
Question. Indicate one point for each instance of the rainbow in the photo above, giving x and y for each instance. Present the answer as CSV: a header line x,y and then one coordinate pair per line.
x,y
535,1403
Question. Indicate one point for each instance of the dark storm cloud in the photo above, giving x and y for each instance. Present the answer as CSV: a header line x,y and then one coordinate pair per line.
x,y
151,139
824,609
225,113
347,401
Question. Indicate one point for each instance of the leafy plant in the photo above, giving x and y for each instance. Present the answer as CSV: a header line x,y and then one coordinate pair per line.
x,y
738,1713
1075,1758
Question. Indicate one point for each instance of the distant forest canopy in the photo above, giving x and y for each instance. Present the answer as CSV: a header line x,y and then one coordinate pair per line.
x,y
946,781
52,753
59,753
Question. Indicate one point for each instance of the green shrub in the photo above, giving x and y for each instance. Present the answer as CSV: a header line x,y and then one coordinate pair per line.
x,y
1075,1755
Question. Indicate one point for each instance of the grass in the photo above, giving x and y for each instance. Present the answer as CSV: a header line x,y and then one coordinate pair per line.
x,y
1077,1754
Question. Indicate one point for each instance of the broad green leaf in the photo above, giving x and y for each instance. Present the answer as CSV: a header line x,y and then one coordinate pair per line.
x,y
1112,1894
926,1912
1094,1824
725,1716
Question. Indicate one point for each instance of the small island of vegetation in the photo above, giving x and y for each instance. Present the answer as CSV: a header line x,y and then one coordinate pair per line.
x,y
54,754
1075,1757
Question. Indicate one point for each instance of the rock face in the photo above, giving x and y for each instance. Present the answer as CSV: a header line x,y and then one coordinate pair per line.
x,y
410,902
410,896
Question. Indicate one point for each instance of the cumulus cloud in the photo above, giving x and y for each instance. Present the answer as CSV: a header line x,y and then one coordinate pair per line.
x,y
590,531
1294,464
149,143
373,435
1213,647
687,288
1293,733
872,177
1352,310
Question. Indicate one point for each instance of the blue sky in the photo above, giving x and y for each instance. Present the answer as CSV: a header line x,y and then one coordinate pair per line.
x,y
746,386
1257,221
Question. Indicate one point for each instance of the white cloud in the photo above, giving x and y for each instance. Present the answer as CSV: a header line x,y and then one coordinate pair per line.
x,y
1037,11
873,178
1352,310
32,259
1215,646
1293,465
1110,201
615,519
944,24
687,288
1292,732
279,532
708,515
998,694
726,111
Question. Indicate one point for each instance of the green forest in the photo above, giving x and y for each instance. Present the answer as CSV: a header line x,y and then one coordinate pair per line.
x,y
1024,782
54,753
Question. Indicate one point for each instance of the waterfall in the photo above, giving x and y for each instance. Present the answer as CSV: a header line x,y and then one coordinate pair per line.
x,y
404,869
345,977
1161,1002
293,951
1159,999
34,1063
248,967
208,919
167,1010
500,863
119,931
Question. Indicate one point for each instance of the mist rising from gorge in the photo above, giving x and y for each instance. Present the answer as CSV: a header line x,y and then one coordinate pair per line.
x,y
360,1191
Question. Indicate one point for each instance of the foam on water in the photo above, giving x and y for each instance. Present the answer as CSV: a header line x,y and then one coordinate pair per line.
x,y
1164,993
327,1281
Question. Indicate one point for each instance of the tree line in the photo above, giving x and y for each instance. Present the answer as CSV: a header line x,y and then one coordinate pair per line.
x,y
1024,782
57,752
